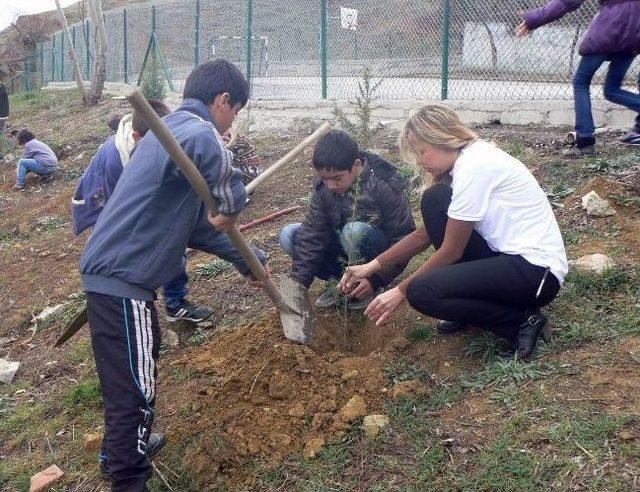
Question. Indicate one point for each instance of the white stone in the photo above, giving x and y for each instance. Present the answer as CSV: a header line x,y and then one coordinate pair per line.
x,y
596,263
43,480
170,338
8,370
596,206
49,311
373,424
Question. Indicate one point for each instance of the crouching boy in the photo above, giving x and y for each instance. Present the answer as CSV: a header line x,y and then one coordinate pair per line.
x,y
137,245
358,209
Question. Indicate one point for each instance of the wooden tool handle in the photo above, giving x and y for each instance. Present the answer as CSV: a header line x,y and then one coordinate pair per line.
x,y
182,160
291,155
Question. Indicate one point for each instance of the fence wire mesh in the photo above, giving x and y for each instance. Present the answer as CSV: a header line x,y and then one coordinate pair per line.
x,y
300,49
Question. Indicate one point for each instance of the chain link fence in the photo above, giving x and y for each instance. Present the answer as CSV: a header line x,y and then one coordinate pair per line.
x,y
301,49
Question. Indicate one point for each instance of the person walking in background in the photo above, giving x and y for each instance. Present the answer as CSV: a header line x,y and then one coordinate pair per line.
x,y
613,36
4,116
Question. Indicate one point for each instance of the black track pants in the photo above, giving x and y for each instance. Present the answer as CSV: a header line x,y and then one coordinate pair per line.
x,y
125,336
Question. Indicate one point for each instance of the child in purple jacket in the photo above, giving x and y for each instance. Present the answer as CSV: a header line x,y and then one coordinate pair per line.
x,y
38,158
613,36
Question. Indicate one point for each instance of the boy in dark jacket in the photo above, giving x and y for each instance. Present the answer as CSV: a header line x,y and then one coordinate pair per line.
x,y
137,245
358,209
96,186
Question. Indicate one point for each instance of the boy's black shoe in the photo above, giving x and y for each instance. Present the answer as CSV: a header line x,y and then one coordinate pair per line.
x,y
528,334
447,327
189,312
157,440
47,178
584,146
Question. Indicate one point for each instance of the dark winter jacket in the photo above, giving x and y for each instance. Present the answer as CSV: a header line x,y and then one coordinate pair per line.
x,y
4,102
616,28
154,214
96,186
381,203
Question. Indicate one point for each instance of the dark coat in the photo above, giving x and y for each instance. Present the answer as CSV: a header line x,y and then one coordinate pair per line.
x,y
4,102
616,28
382,203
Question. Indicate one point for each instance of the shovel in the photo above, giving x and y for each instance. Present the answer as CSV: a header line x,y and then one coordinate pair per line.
x,y
292,301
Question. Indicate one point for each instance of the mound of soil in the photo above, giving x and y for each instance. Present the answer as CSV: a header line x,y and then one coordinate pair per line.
x,y
250,394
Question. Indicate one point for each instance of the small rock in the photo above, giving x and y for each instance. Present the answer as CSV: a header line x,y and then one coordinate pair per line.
x,y
41,481
6,341
50,311
92,442
8,370
350,376
353,409
626,435
297,411
373,424
280,441
596,263
279,386
312,447
45,253
170,338
411,387
596,206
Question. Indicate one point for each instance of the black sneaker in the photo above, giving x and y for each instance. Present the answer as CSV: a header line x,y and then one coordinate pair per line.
x,y
156,442
447,327
189,312
46,178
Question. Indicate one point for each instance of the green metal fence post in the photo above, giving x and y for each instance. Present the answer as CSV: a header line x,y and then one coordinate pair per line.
x,y
41,64
196,51
446,35
323,46
61,57
87,44
53,58
153,19
125,54
249,37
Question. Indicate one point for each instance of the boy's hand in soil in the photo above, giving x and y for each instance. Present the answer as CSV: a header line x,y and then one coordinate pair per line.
x,y
355,274
383,306
221,222
253,282
361,289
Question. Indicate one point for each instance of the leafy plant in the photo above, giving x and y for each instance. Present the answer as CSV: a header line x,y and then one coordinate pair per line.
x,y
512,370
154,86
360,130
211,269
419,332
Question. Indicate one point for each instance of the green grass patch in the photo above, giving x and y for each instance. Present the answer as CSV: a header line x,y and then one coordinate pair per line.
x,y
419,332
211,269
85,395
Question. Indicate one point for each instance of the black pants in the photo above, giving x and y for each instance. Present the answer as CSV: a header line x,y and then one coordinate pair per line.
x,y
486,289
125,335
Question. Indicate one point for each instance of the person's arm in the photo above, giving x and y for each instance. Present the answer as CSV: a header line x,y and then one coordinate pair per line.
x,y
396,222
550,12
28,151
456,237
311,241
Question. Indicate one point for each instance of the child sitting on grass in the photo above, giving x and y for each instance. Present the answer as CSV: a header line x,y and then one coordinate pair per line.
x,y
38,158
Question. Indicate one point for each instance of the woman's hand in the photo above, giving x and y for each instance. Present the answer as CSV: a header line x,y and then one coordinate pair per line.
x,y
354,274
522,30
383,306
221,222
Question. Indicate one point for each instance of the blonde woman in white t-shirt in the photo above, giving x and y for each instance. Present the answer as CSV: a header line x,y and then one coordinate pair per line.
x,y
499,252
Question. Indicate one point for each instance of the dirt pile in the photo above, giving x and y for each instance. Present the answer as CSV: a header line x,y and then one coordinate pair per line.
x,y
250,394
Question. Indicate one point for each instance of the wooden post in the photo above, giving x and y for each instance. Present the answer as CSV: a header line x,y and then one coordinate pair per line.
x,y
72,52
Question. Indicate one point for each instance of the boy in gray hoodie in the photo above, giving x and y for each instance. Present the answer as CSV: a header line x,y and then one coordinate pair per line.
x,y
138,244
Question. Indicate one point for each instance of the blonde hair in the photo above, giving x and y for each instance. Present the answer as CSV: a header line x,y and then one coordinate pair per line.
x,y
436,125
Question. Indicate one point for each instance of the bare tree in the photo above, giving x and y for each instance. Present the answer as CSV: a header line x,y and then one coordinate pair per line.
x,y
99,51
72,53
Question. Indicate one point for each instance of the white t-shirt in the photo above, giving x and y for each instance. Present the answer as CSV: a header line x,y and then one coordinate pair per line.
x,y
510,210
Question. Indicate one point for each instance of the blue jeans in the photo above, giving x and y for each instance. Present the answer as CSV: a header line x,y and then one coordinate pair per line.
x,y
357,242
176,290
619,64
31,165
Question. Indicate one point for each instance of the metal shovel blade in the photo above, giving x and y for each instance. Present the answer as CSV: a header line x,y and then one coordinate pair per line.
x,y
297,321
